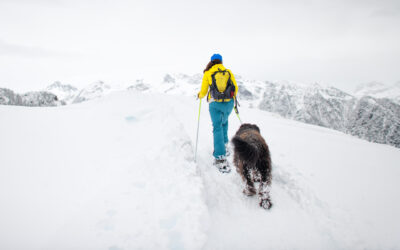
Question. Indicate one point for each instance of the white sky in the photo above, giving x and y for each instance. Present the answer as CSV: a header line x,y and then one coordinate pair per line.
x,y
340,43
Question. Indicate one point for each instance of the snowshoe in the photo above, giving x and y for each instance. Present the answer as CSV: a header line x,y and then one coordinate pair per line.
x,y
222,164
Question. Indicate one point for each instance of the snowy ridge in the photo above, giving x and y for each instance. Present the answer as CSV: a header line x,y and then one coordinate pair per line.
x,y
313,104
31,99
332,108
379,90
64,92
95,90
129,181
376,120
179,84
140,85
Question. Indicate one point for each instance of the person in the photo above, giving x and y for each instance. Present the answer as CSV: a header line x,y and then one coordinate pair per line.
x,y
221,103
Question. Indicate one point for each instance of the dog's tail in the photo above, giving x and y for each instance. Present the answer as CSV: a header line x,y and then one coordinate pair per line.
x,y
247,150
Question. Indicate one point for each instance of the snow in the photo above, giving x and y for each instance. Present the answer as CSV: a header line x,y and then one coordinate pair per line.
x,y
379,90
310,103
93,91
64,92
31,99
118,173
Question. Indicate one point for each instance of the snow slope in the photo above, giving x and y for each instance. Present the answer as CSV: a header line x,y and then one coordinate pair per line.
x,y
371,115
118,173
369,118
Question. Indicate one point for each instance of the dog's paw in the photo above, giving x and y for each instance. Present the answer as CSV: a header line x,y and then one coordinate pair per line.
x,y
266,204
249,191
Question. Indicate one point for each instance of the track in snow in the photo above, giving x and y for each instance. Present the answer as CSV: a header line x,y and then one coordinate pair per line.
x,y
118,173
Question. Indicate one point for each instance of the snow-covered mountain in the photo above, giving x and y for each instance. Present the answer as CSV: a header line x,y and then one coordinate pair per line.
x,y
179,84
64,92
121,176
95,90
8,97
313,104
376,120
57,94
139,85
373,118
379,90
31,99
172,84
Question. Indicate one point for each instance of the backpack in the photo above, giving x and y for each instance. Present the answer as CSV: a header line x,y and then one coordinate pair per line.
x,y
222,86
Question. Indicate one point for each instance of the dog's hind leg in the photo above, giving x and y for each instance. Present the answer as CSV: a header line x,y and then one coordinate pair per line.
x,y
264,189
249,190
255,175
264,197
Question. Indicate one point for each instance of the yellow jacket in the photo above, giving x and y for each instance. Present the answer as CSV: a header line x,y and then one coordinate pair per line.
x,y
207,81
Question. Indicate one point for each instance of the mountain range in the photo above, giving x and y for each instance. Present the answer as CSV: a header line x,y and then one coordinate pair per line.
x,y
372,112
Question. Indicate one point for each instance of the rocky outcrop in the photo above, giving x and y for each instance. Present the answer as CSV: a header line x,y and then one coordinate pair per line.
x,y
31,99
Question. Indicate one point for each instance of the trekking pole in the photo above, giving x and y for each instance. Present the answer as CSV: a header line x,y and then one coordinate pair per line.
x,y
236,110
237,114
197,135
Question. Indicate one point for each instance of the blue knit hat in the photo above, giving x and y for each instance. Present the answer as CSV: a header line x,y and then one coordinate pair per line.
x,y
216,56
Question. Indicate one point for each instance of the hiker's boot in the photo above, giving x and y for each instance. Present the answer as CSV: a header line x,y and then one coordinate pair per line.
x,y
222,164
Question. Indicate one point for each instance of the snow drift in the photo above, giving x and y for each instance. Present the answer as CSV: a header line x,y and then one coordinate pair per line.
x,y
118,173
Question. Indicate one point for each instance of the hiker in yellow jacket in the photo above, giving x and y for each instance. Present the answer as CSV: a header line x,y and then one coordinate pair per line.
x,y
220,87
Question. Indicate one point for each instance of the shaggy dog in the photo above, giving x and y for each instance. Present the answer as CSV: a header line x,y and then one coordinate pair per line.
x,y
253,162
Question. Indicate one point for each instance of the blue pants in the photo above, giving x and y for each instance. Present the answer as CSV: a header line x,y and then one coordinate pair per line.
x,y
219,112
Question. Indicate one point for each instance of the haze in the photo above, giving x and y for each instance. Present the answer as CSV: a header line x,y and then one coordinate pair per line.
x,y
338,43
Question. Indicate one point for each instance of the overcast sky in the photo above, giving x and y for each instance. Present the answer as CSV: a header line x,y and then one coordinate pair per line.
x,y
338,43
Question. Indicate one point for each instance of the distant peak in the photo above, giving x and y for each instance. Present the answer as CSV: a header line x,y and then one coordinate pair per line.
x,y
60,86
316,85
98,82
56,83
169,79
370,85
